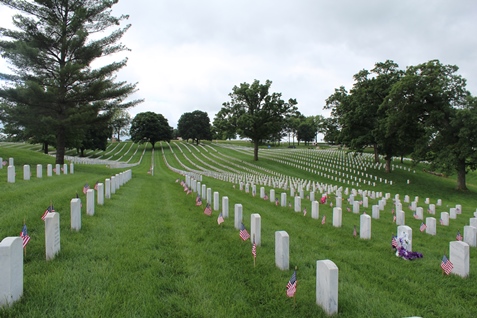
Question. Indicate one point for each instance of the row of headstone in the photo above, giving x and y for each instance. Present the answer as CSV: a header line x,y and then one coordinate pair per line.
x,y
11,248
11,174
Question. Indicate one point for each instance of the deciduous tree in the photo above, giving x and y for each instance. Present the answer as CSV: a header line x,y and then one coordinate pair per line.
x,y
150,127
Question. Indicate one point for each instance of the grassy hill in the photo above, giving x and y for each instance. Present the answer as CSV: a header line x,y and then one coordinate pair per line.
x,y
149,251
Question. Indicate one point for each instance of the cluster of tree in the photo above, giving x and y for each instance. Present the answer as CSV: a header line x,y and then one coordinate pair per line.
x,y
150,127
255,113
424,111
54,96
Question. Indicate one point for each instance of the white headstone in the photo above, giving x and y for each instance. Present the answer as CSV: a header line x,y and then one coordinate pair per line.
x,y
209,196
439,202
26,172
315,209
100,191
365,202
255,228
431,225
238,215
432,209
11,273
452,213
39,171
337,216
272,195
400,217
262,192
57,169
75,212
365,226
473,222
445,218
11,162
312,196
107,188
11,174
225,207
327,286
113,185
90,202
49,170
459,256
408,231
65,168
52,235
199,188
216,201
283,201
282,250
375,211
470,235
297,204
72,168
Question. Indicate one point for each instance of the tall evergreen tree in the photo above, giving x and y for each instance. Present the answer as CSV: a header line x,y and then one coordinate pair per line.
x,y
51,54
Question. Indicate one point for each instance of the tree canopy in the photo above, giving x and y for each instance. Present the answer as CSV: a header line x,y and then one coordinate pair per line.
x,y
256,113
51,52
150,127
195,126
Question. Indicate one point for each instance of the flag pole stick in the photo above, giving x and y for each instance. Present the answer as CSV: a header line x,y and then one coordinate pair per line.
x,y
255,251
24,249
296,288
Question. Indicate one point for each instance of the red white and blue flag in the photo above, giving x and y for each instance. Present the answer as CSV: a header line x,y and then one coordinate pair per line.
x,y
458,237
208,210
243,232
85,188
446,265
291,285
48,210
220,219
423,227
24,235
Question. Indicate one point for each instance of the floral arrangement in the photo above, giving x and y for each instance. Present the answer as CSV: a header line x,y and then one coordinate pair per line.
x,y
400,244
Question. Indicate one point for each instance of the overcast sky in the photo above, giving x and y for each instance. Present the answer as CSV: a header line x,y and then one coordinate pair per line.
x,y
188,55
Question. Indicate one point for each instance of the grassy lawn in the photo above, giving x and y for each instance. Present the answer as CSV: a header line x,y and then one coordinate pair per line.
x,y
150,252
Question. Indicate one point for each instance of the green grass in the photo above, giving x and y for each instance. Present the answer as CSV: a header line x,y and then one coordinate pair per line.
x,y
149,251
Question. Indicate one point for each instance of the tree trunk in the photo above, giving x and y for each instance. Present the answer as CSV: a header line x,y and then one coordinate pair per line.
x,y
376,154
82,152
118,137
388,164
152,143
45,147
255,150
461,176
60,146
197,141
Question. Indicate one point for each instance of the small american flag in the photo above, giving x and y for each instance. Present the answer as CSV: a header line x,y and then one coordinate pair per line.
x,y
304,212
458,237
220,219
198,201
354,231
323,220
348,209
85,188
394,218
48,210
96,186
416,216
243,233
4,163
24,235
208,210
441,222
291,286
331,204
394,242
265,197
254,249
276,202
423,227
446,265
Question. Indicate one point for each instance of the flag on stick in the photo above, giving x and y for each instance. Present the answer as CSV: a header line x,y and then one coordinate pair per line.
x,y
423,227
96,186
304,212
458,237
446,265
323,220
254,249
198,201
291,286
394,242
354,231
243,232
208,210
220,219
24,235
85,188
48,210
276,201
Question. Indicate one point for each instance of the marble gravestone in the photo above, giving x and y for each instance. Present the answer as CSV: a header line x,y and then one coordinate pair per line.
x,y
337,217
255,228
11,273
238,215
365,226
75,213
90,202
225,207
459,256
282,250
327,286
52,235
